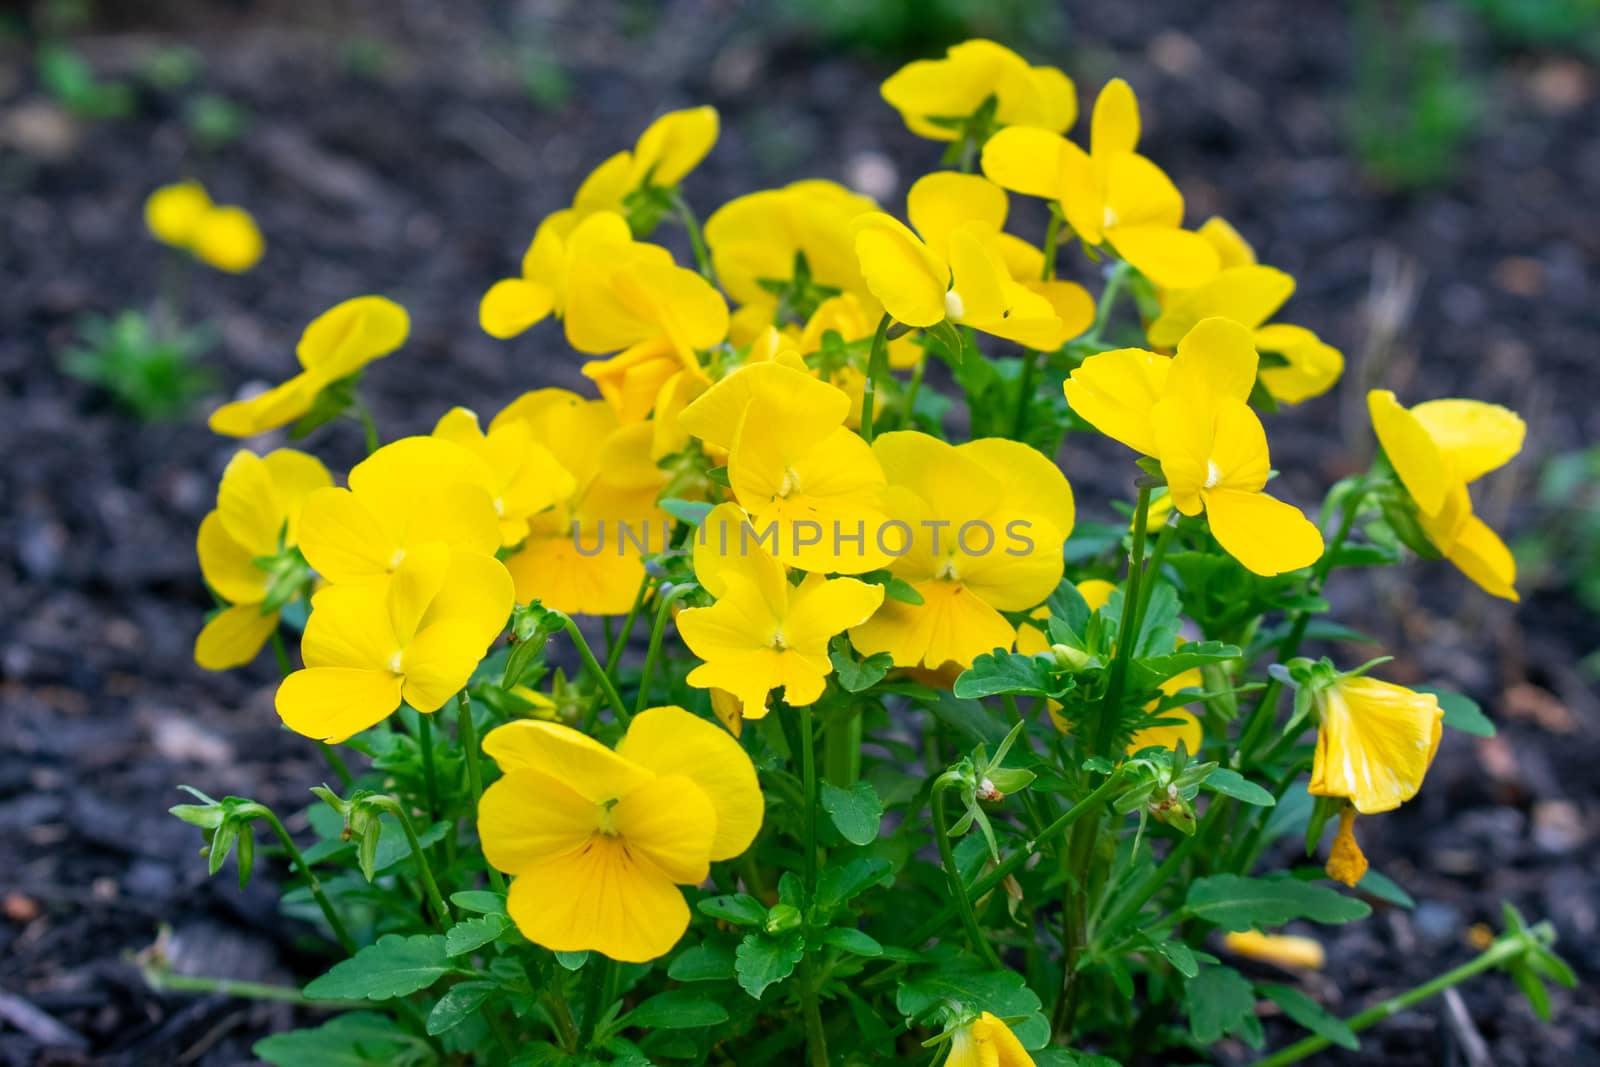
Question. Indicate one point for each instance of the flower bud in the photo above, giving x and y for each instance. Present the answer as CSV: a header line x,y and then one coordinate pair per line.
x,y
782,917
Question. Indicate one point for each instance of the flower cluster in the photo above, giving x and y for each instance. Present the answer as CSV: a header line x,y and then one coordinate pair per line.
x,y
221,236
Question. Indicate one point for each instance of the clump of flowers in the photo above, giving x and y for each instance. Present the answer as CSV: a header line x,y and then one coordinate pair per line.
x,y
736,630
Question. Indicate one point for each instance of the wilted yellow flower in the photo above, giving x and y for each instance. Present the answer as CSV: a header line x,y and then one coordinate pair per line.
x,y
935,96
987,1042
598,841
1437,448
1375,742
1190,412
665,153
1346,862
416,637
257,517
183,216
1283,950
959,270
524,478
762,633
1109,195
337,344
978,530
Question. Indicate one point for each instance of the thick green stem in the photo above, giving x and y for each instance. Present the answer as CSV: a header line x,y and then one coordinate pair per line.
x,y
841,749
1128,633
1030,358
555,1004
958,886
816,1037
808,781
697,239
430,776
597,672
467,735
877,367
335,923
653,655
602,991
430,887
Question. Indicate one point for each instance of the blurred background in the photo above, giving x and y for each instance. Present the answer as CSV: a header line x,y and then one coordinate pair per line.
x,y
1428,170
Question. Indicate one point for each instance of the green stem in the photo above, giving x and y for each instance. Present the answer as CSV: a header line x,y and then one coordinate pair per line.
x,y
614,653
808,781
1108,299
1128,634
335,923
368,427
555,1003
280,652
697,239
1496,955
467,734
1019,418
430,780
596,672
816,1037
653,654
602,986
441,910
1152,884
958,887
166,981
914,388
877,367
841,749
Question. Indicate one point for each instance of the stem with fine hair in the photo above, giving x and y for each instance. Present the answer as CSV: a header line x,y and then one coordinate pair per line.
x,y
1116,278
430,780
1127,634
467,735
441,910
596,672
877,367
653,655
369,428
808,782
697,238
335,923
958,887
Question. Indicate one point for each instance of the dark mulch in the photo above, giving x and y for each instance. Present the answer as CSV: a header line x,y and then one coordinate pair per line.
x,y
423,182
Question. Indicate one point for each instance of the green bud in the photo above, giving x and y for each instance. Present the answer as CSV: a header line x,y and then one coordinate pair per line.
x,y
1068,658
782,918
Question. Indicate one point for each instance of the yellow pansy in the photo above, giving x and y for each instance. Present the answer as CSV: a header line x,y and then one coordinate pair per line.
x,y
632,380
416,637
1283,950
763,633
958,269
979,527
524,477
407,494
597,841
812,487
1190,413
986,1042
583,556
1437,448
955,87
183,216
256,518
1375,742
1109,195
336,344
665,153
512,305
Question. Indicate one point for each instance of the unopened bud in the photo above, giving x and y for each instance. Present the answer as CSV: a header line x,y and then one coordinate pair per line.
x,y
1068,658
782,917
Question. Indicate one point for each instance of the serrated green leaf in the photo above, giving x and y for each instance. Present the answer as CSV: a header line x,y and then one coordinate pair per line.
x,y
856,812
1237,903
1219,1001
1151,671
856,675
1311,1015
841,883
459,1003
354,1039
394,966
676,1009
997,672
1003,993
1233,784
761,961
469,935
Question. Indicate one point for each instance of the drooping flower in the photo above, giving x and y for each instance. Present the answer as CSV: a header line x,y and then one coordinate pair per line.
x,y
987,1042
979,529
668,149
1438,448
525,478
1346,862
183,216
1375,742
1282,950
1190,412
416,637
937,97
337,344
597,841
795,467
407,494
1110,195
763,633
959,269
256,521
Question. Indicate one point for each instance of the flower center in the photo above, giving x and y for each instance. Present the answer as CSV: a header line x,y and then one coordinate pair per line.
x,y
1108,218
947,571
1213,474
394,662
790,483
396,559
778,641
608,819
953,306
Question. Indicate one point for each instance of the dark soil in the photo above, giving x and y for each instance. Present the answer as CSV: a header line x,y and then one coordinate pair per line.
x,y
423,181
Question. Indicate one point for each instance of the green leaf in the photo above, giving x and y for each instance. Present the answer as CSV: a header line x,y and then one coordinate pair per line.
x,y
480,901
354,1039
856,812
901,590
1461,712
1237,903
693,512
1377,884
1233,784
676,1009
572,961
1181,958
1311,1015
841,883
1219,1001
469,935
741,909
761,960
1008,672
1003,993
1151,671
392,967
459,1003
854,675
853,941
702,963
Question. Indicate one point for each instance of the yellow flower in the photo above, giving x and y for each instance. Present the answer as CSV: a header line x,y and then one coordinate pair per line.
x,y
583,556
337,344
632,380
665,153
981,527
524,477
955,87
183,216
1190,413
416,637
987,1042
407,494
1346,862
1109,195
958,270
257,517
1439,447
1375,742
598,841
813,488
1283,950
513,305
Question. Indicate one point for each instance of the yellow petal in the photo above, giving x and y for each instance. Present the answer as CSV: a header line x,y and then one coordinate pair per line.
x,y
228,566
822,608
1071,302
1056,102
276,407
1217,356
1114,126
428,489
1001,1047
1032,162
674,144
333,703
1030,483
1115,392
227,239
715,415
1375,743
599,899
594,581
1169,257
1284,950
1021,568
941,201
951,625
477,590
584,764
439,661
1346,862
1232,249
1138,195
978,276
1247,295
342,539
248,506
900,271
351,334
512,305
1263,533
1483,557
233,636
1313,367
670,740
173,212
295,476
1095,592
350,626
412,587
728,544
1411,449
528,817
1474,437
670,823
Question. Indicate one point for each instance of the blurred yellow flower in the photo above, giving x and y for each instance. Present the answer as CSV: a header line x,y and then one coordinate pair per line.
x,y
1283,950
670,147
337,344
1375,742
936,96
987,1042
597,841
257,517
183,216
